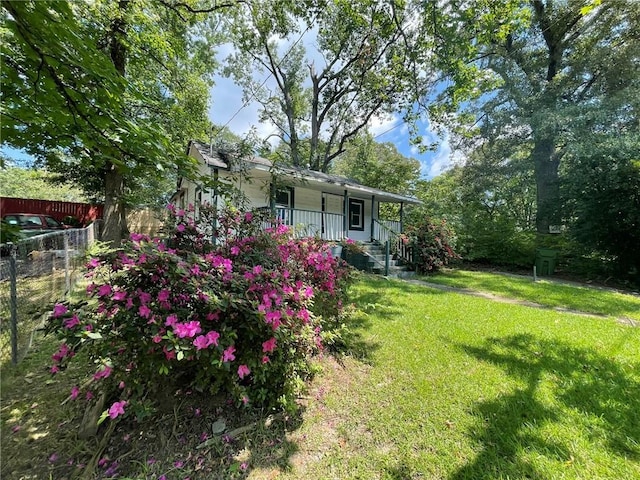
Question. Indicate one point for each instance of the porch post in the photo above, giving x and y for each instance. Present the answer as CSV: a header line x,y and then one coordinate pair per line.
x,y
345,219
401,217
214,204
373,201
272,199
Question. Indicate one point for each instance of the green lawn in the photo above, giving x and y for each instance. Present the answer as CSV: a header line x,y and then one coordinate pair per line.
x,y
544,292
460,387
438,385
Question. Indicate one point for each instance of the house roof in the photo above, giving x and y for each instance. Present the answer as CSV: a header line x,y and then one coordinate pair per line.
x,y
325,181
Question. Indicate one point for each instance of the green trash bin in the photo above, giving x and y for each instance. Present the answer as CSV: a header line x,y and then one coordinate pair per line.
x,y
546,260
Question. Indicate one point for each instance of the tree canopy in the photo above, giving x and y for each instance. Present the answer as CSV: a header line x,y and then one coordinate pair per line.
x,y
362,65
544,73
106,92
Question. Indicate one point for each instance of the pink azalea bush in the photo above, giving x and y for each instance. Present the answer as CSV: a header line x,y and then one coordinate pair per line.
x,y
242,316
432,244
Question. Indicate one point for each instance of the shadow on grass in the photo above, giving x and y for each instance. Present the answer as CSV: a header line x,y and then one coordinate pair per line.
x,y
376,299
594,387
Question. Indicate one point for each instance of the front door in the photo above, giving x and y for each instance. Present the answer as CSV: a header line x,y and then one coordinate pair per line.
x,y
284,205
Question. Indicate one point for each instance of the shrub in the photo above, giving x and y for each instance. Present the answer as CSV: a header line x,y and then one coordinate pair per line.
x,y
352,247
432,245
241,317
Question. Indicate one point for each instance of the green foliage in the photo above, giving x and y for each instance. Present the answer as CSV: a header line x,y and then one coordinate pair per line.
x,y
602,191
37,184
545,75
489,203
432,244
9,233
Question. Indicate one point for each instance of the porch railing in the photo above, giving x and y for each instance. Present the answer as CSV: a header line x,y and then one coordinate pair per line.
x,y
385,231
328,226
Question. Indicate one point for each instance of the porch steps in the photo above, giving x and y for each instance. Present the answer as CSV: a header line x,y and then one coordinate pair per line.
x,y
376,255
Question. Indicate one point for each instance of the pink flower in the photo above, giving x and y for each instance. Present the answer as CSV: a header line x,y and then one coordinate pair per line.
x,y
228,354
243,371
200,342
72,322
235,250
144,311
156,339
121,385
104,290
248,216
180,227
74,392
273,316
59,310
89,395
102,373
187,329
269,345
265,359
212,337
163,295
145,297
304,315
119,295
117,409
171,320
93,263
257,270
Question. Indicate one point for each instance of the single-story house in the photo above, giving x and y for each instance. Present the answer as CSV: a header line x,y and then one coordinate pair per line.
x,y
315,203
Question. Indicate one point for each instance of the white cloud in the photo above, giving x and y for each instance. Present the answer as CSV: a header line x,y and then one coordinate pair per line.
x,y
442,160
381,124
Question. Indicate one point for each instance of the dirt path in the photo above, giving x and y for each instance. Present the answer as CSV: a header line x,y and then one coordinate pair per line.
x,y
498,298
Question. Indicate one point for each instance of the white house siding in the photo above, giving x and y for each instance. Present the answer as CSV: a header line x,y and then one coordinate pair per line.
x,y
334,203
306,199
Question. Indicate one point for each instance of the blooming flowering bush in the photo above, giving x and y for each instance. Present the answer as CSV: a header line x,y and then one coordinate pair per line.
x,y
432,245
352,247
241,316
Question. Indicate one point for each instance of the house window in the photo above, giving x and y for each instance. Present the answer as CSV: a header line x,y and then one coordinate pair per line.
x,y
356,214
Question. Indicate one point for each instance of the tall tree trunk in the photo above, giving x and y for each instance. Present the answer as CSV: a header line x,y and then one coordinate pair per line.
x,y
115,218
115,224
547,183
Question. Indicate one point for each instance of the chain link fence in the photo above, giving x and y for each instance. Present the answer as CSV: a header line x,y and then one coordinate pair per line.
x,y
34,274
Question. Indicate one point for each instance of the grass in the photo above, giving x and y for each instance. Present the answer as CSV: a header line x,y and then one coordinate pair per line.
x,y
437,385
545,292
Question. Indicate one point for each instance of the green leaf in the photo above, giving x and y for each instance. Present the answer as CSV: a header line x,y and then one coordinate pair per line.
x,y
103,417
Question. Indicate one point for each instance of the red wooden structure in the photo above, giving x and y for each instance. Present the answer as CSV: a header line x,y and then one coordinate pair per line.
x,y
85,213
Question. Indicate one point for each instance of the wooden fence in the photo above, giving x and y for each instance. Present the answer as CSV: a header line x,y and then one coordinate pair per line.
x,y
85,213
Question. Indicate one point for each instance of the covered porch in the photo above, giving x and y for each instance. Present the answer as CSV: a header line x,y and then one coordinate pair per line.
x,y
335,226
